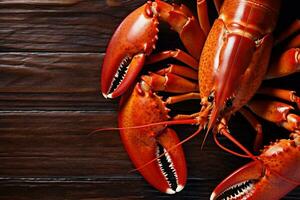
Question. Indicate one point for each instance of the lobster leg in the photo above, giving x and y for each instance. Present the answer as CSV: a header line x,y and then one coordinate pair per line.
x,y
287,63
293,28
295,42
203,16
170,82
218,5
177,54
281,93
179,70
183,117
276,112
185,24
256,125
183,97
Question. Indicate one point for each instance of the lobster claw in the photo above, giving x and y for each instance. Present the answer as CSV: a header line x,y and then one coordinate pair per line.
x,y
136,38
125,56
144,146
271,177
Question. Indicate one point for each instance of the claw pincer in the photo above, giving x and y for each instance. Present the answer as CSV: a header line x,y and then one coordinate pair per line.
x,y
271,177
125,56
136,38
275,172
167,173
128,51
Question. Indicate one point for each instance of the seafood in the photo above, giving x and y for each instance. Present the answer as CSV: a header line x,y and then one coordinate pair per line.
x,y
275,172
223,68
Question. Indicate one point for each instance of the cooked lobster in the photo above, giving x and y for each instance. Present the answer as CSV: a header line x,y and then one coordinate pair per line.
x,y
223,68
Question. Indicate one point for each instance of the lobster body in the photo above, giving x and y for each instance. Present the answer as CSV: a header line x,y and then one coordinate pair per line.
x,y
236,54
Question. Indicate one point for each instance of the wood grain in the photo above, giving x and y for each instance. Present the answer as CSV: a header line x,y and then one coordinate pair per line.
x,y
51,81
99,189
39,2
50,101
83,27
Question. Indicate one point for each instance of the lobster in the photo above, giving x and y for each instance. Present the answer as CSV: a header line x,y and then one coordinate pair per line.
x,y
223,68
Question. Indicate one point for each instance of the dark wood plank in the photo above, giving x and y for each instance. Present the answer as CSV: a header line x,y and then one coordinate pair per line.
x,y
69,6
63,33
84,26
100,189
50,72
39,2
110,188
51,81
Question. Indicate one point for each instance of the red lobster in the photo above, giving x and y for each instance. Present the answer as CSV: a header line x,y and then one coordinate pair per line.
x,y
233,63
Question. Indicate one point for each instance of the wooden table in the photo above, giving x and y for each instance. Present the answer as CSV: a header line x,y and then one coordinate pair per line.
x,y
50,59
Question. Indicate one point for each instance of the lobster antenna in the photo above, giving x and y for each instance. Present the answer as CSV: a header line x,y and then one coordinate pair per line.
x,y
232,139
172,122
226,149
249,155
170,149
289,180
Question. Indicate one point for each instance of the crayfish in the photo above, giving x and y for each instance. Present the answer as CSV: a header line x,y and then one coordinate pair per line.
x,y
222,66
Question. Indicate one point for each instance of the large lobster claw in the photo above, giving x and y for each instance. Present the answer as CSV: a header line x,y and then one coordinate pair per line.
x,y
273,176
135,39
167,173
125,55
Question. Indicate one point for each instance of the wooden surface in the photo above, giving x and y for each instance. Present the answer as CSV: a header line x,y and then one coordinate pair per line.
x,y
50,59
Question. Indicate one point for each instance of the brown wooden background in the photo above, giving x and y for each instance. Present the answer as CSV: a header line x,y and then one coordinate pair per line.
x,y
50,59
